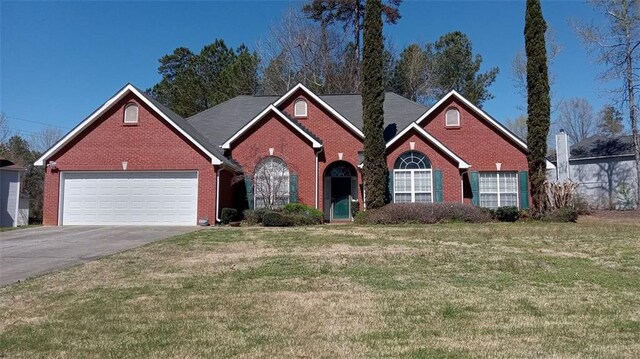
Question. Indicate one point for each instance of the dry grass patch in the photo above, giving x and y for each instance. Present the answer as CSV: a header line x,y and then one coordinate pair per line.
x,y
522,290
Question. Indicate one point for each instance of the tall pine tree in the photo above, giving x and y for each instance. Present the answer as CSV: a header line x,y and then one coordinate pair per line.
x,y
538,104
375,168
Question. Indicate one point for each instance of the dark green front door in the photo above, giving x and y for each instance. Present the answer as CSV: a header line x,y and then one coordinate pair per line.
x,y
340,197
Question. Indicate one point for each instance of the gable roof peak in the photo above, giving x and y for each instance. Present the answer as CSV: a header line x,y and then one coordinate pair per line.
x,y
181,125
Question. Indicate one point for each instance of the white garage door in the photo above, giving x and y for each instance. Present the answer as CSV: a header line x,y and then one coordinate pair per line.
x,y
129,198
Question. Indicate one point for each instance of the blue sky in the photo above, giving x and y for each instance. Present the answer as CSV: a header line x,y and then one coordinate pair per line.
x,y
61,60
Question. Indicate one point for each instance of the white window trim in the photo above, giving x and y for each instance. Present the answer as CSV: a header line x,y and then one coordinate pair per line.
x,y
498,193
413,184
446,122
126,107
295,108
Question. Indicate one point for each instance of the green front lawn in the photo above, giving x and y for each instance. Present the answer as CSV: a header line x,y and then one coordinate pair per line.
x,y
440,291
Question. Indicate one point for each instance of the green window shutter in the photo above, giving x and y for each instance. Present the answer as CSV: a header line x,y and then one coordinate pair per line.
x,y
523,177
293,188
390,185
354,188
437,186
249,187
475,188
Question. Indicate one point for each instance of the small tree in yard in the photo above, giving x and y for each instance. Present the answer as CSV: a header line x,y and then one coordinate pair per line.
x,y
267,180
271,183
375,168
538,104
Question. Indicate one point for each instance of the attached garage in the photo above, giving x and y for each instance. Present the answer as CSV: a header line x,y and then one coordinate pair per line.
x,y
129,198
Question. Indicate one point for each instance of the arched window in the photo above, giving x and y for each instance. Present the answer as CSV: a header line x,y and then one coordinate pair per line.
x,y
300,108
131,113
412,178
452,117
271,183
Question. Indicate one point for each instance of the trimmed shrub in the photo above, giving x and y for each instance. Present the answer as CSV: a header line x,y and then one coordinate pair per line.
x,y
228,215
254,217
276,219
424,213
507,214
565,214
302,215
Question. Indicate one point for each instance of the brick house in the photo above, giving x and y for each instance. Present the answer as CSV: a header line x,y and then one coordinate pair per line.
x,y
134,161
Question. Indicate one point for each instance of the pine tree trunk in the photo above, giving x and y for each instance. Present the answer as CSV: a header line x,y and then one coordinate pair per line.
x,y
375,168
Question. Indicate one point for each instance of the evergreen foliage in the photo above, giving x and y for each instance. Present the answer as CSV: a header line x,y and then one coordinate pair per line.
x,y
375,169
192,83
538,104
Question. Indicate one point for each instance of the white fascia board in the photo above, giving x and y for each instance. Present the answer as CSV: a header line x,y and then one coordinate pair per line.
x,y
461,163
107,105
550,165
245,128
483,114
321,102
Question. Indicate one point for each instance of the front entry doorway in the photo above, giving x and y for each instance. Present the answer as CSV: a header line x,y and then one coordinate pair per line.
x,y
340,191
341,197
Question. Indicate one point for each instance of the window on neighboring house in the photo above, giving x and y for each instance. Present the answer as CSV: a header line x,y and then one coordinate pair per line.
x,y
271,183
131,113
452,118
300,108
412,178
498,189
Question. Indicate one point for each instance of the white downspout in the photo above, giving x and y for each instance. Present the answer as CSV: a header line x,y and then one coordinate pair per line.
x,y
316,180
218,195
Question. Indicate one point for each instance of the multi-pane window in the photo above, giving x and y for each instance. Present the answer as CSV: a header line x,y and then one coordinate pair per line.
x,y
498,189
412,178
271,183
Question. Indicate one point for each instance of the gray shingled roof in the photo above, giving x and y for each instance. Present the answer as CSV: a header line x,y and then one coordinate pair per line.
x,y
189,129
596,146
219,123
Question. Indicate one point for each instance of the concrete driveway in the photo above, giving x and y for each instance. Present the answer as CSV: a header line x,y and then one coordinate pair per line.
x,y
28,252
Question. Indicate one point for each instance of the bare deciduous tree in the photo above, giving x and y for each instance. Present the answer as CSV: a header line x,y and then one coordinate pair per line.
x,y
5,131
518,126
519,70
45,139
617,46
301,50
576,117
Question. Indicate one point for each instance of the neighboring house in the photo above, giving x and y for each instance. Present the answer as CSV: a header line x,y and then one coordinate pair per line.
x,y
603,167
14,208
133,161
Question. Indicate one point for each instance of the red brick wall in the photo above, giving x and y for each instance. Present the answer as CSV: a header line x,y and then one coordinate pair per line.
x,y
476,141
451,178
152,144
289,145
336,138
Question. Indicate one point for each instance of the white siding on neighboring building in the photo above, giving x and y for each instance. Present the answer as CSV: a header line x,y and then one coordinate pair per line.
x,y
606,182
9,197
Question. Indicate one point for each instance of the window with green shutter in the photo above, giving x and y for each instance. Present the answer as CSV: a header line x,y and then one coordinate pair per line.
x,y
524,189
438,194
293,188
474,178
249,188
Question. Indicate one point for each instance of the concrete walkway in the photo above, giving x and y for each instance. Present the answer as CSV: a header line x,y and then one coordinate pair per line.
x,y
28,252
